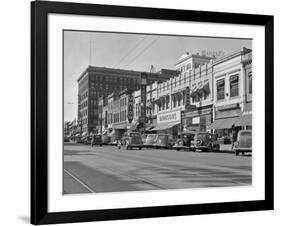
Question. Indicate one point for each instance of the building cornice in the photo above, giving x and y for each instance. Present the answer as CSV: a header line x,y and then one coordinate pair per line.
x,y
231,56
193,56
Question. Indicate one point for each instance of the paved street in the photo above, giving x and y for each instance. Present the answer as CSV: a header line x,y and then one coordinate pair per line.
x,y
107,169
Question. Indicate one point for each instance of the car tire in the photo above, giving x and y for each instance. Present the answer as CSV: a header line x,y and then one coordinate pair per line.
x,y
178,149
139,148
236,153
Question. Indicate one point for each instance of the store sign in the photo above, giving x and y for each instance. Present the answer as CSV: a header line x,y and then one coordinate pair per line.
x,y
187,97
130,111
196,120
143,97
227,107
169,117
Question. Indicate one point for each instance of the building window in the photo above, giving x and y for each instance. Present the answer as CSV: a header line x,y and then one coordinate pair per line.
x,y
234,85
220,89
250,83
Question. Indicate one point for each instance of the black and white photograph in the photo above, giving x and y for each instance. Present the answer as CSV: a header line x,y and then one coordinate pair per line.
x,y
155,112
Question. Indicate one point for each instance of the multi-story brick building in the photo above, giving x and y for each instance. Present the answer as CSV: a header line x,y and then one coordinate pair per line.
x,y
99,81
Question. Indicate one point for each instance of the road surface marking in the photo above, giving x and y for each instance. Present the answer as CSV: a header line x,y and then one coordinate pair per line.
x,y
79,181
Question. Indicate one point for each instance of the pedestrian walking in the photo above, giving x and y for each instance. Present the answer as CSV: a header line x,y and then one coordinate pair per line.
x,y
119,144
233,138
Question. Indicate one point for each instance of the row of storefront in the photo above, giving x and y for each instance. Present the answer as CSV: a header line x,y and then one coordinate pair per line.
x,y
220,120
213,97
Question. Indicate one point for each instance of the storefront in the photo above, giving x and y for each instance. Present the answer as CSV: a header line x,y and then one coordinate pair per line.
x,y
168,123
197,119
245,120
225,121
119,129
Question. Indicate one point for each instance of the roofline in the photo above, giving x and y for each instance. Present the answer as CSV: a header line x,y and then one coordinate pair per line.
x,y
193,55
232,55
121,71
82,74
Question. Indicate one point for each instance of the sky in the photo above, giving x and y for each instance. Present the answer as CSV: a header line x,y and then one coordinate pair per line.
x,y
129,51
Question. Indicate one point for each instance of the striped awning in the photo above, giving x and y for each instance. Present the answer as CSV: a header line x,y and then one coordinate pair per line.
x,y
165,126
225,123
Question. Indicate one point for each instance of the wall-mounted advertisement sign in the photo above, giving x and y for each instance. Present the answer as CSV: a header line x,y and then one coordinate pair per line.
x,y
172,116
196,120
187,97
143,96
130,108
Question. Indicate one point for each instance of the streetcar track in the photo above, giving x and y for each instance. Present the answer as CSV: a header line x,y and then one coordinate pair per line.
x,y
79,181
138,178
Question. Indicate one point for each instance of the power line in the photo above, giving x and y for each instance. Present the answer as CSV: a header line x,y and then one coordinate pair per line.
x,y
130,51
142,51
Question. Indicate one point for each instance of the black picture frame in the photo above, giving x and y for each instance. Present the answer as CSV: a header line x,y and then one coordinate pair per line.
x,y
39,112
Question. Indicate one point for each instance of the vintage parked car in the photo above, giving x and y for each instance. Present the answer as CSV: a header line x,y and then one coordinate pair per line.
x,y
143,138
105,138
184,141
132,140
86,139
204,141
96,140
244,142
164,141
150,140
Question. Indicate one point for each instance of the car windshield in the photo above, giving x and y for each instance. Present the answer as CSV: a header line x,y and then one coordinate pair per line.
x,y
134,135
161,138
151,137
246,134
188,136
203,136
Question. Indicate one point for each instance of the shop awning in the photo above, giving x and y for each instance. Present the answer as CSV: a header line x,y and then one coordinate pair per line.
x,y
149,128
244,120
123,126
164,126
206,88
225,123
133,126
112,133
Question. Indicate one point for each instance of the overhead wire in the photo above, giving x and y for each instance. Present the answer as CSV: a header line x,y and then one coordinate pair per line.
x,y
140,53
130,51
